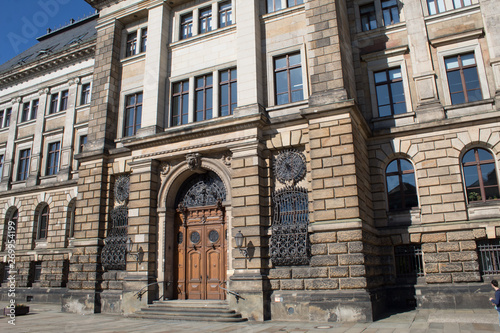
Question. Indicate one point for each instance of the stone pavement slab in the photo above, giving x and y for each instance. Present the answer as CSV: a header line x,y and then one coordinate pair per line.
x,y
45,318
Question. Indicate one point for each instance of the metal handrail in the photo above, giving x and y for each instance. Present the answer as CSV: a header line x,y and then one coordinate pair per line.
x,y
141,292
238,296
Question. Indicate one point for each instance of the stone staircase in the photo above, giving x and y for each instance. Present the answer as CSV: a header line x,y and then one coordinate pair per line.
x,y
189,310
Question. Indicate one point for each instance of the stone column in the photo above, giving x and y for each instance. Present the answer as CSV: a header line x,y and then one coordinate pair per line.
x,y
9,174
248,40
67,144
156,70
248,216
142,230
491,19
428,105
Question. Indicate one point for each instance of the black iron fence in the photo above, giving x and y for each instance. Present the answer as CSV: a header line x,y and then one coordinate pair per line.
x,y
489,256
408,261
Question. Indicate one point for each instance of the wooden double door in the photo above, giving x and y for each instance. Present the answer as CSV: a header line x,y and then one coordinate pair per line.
x,y
201,253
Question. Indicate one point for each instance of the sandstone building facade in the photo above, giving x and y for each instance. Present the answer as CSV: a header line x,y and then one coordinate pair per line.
x,y
352,146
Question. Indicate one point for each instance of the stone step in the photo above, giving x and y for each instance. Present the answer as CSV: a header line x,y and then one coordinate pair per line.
x,y
163,316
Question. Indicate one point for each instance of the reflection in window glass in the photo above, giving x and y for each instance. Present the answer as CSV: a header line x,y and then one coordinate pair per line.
x,y
480,175
401,185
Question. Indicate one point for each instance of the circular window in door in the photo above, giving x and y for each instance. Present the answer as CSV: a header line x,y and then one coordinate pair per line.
x,y
213,236
195,237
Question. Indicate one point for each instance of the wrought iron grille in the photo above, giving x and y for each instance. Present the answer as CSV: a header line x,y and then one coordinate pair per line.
x,y
115,249
489,256
289,238
202,190
409,261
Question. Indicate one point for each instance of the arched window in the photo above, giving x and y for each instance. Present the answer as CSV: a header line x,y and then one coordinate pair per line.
x,y
401,187
481,182
10,221
43,223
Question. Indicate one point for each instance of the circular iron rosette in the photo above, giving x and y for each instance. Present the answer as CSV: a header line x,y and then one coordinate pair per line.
x,y
122,185
290,166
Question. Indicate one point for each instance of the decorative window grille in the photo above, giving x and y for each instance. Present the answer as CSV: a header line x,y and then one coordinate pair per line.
x,y
114,252
409,261
290,239
489,256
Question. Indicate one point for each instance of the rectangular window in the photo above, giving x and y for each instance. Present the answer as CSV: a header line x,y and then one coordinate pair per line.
x,y
390,92
64,100
34,109
463,81
461,3
205,23
180,103
24,164
390,12
489,256
288,79
292,3
1,166
8,113
2,112
131,47
83,141
144,39
368,18
53,159
54,103
273,5
435,6
85,96
37,271
225,14
203,96
25,115
186,26
227,91
133,114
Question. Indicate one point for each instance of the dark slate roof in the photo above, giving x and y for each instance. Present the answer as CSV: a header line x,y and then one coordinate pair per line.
x,y
55,41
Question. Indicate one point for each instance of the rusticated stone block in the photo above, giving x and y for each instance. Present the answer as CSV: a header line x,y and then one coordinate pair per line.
x,y
415,238
351,259
324,237
460,235
280,273
434,238
321,284
74,285
353,283
275,284
449,267
436,257
448,247
463,256
349,236
337,272
355,247
357,270
337,248
317,249
115,285
471,266
90,285
329,260
292,285
432,268
429,248
308,273
468,245
466,277
438,278
479,233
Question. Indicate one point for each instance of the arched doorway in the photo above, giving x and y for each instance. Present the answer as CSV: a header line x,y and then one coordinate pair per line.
x,y
201,237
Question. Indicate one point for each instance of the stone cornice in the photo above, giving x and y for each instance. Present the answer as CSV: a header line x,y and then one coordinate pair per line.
x,y
197,130
72,54
100,4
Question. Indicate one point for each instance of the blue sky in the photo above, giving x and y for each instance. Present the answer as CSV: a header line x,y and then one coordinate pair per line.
x,y
22,21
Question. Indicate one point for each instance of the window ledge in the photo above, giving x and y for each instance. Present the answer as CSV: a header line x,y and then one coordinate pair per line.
x,y
48,179
287,106
394,121
386,29
133,58
55,114
26,123
283,12
83,106
465,109
449,13
41,244
483,210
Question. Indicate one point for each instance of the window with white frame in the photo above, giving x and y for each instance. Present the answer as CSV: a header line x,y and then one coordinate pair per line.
x,y
378,13
225,14
5,117
136,42
368,17
205,20
186,26
42,222
1,165
58,101
480,175
275,5
133,114
440,6
29,110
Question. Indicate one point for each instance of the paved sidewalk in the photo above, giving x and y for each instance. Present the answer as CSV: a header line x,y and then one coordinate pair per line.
x,y
47,318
